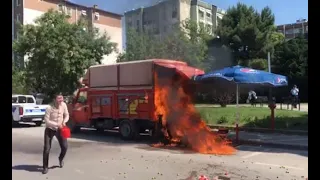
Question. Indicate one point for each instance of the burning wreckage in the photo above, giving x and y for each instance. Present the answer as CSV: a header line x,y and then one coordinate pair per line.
x,y
150,95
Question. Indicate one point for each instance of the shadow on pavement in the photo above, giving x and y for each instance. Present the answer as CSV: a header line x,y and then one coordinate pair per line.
x,y
24,125
113,138
30,168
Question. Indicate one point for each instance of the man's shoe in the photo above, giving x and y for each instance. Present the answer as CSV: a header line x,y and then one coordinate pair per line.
x,y
45,170
61,163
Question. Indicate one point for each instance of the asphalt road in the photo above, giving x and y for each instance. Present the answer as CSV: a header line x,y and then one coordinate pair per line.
x,y
105,157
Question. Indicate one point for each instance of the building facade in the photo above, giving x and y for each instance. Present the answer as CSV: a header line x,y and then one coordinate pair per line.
x,y
26,11
160,18
294,30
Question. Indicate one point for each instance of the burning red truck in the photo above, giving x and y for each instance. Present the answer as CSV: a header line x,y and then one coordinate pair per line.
x,y
150,95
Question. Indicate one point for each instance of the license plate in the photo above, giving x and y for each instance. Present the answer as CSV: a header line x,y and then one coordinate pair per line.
x,y
37,119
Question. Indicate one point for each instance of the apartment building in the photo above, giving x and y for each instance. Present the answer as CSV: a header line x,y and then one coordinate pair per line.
x,y
26,11
206,14
300,27
160,18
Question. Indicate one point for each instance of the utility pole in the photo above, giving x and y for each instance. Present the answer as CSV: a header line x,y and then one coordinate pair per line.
x,y
269,70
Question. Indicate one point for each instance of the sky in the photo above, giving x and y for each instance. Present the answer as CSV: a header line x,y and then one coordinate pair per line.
x,y
285,11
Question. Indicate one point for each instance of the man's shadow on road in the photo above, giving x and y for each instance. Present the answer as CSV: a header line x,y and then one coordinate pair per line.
x,y
30,168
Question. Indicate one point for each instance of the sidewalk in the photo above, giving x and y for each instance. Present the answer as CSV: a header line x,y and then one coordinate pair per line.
x,y
275,140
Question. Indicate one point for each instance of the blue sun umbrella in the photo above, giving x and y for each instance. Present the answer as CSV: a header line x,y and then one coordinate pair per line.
x,y
239,75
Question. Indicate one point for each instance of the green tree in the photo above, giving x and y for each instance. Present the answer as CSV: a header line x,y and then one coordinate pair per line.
x,y
291,58
18,81
247,32
59,52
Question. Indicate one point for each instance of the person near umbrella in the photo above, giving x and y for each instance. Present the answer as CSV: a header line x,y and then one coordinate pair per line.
x,y
295,95
252,97
55,118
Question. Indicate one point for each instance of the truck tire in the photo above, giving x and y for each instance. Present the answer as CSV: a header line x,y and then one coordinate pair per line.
x,y
38,123
73,126
128,130
14,123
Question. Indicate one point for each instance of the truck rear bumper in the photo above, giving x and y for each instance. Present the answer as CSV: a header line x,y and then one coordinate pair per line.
x,y
31,118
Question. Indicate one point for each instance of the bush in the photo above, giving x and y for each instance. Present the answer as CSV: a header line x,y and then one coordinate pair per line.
x,y
223,98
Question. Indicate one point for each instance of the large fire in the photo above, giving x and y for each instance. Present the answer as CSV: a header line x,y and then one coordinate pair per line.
x,y
173,102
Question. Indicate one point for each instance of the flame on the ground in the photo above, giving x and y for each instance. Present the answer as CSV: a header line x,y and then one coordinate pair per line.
x,y
180,117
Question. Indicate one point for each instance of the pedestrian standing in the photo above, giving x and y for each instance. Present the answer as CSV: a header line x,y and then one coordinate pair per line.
x,y
55,118
295,95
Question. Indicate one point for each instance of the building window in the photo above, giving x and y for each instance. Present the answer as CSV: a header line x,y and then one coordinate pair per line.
x,y
289,31
164,29
60,7
18,2
297,30
138,25
201,14
69,11
18,18
96,16
174,12
84,13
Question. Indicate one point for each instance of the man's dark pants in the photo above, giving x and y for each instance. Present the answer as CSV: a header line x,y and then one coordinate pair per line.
x,y
48,136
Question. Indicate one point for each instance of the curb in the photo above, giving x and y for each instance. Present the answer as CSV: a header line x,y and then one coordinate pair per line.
x,y
270,144
263,130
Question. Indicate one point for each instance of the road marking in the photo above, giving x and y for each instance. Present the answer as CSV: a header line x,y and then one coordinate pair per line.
x,y
276,165
251,155
78,171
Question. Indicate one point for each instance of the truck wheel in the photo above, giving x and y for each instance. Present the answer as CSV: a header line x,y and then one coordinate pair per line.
x,y
14,123
73,126
39,123
128,130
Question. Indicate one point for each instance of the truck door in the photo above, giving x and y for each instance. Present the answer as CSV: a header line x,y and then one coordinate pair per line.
x,y
80,112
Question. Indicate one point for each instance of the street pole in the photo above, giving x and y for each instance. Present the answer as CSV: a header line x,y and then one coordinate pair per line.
x,y
269,70
269,63
271,103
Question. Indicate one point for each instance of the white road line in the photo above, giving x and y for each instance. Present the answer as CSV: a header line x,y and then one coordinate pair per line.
x,y
251,155
276,165
78,171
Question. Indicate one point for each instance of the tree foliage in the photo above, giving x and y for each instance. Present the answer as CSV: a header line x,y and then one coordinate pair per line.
x,y
58,52
18,81
291,58
247,32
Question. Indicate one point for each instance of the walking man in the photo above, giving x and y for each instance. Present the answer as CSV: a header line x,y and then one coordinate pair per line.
x,y
56,117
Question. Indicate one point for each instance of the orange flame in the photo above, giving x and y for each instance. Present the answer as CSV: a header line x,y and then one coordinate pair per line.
x,y
173,102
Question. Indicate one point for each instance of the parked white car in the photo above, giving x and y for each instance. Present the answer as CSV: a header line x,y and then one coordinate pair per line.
x,y
25,109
